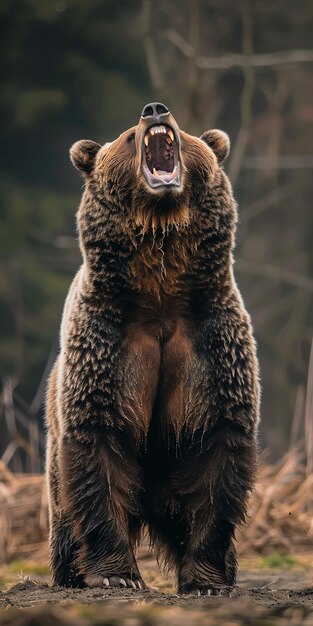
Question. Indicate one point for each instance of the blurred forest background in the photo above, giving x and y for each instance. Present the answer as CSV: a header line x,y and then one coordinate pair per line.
x,y
84,69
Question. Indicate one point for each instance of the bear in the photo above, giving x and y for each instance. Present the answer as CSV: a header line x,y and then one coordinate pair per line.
x,y
153,401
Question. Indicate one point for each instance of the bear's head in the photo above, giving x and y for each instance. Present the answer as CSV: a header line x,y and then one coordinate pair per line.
x,y
154,173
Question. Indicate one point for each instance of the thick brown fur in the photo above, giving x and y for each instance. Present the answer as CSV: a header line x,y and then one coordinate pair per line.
x,y
153,402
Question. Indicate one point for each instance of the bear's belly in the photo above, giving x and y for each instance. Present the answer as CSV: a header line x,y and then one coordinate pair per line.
x,y
157,364
140,373
178,365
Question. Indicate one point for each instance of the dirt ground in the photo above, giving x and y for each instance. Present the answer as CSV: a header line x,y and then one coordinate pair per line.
x,y
262,597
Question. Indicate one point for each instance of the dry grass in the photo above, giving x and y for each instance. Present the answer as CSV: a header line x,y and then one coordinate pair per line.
x,y
280,519
23,516
281,508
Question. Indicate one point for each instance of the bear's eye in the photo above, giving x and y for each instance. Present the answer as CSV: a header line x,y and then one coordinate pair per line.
x,y
131,138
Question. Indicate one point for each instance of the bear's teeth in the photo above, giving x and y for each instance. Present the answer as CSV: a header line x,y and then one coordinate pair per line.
x,y
146,140
157,129
171,134
166,176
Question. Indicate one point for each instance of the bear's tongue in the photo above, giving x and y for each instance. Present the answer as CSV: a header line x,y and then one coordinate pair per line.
x,y
159,154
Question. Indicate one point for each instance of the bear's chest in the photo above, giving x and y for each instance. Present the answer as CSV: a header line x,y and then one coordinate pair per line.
x,y
157,303
158,268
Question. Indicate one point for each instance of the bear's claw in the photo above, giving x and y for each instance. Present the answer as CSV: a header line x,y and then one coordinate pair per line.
x,y
212,591
96,580
203,590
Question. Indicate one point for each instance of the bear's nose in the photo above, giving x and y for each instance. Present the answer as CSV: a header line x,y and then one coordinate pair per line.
x,y
155,110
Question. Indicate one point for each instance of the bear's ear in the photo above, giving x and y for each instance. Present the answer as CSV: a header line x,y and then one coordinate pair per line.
x,y
83,154
219,142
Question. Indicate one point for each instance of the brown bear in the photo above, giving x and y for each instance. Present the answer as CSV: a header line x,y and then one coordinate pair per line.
x,y
153,401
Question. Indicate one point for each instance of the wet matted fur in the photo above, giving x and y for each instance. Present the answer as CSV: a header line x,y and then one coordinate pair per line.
x,y
153,401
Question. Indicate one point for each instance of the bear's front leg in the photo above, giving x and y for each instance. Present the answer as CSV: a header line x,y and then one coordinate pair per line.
x,y
222,477
206,446
99,490
101,429
63,548
218,470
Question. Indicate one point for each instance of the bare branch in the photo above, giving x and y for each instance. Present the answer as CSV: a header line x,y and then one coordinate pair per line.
x,y
9,452
283,162
180,43
272,59
192,90
297,419
275,273
10,419
308,416
276,97
247,95
152,61
234,60
266,202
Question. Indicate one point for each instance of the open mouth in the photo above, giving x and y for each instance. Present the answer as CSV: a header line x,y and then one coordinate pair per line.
x,y
160,161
